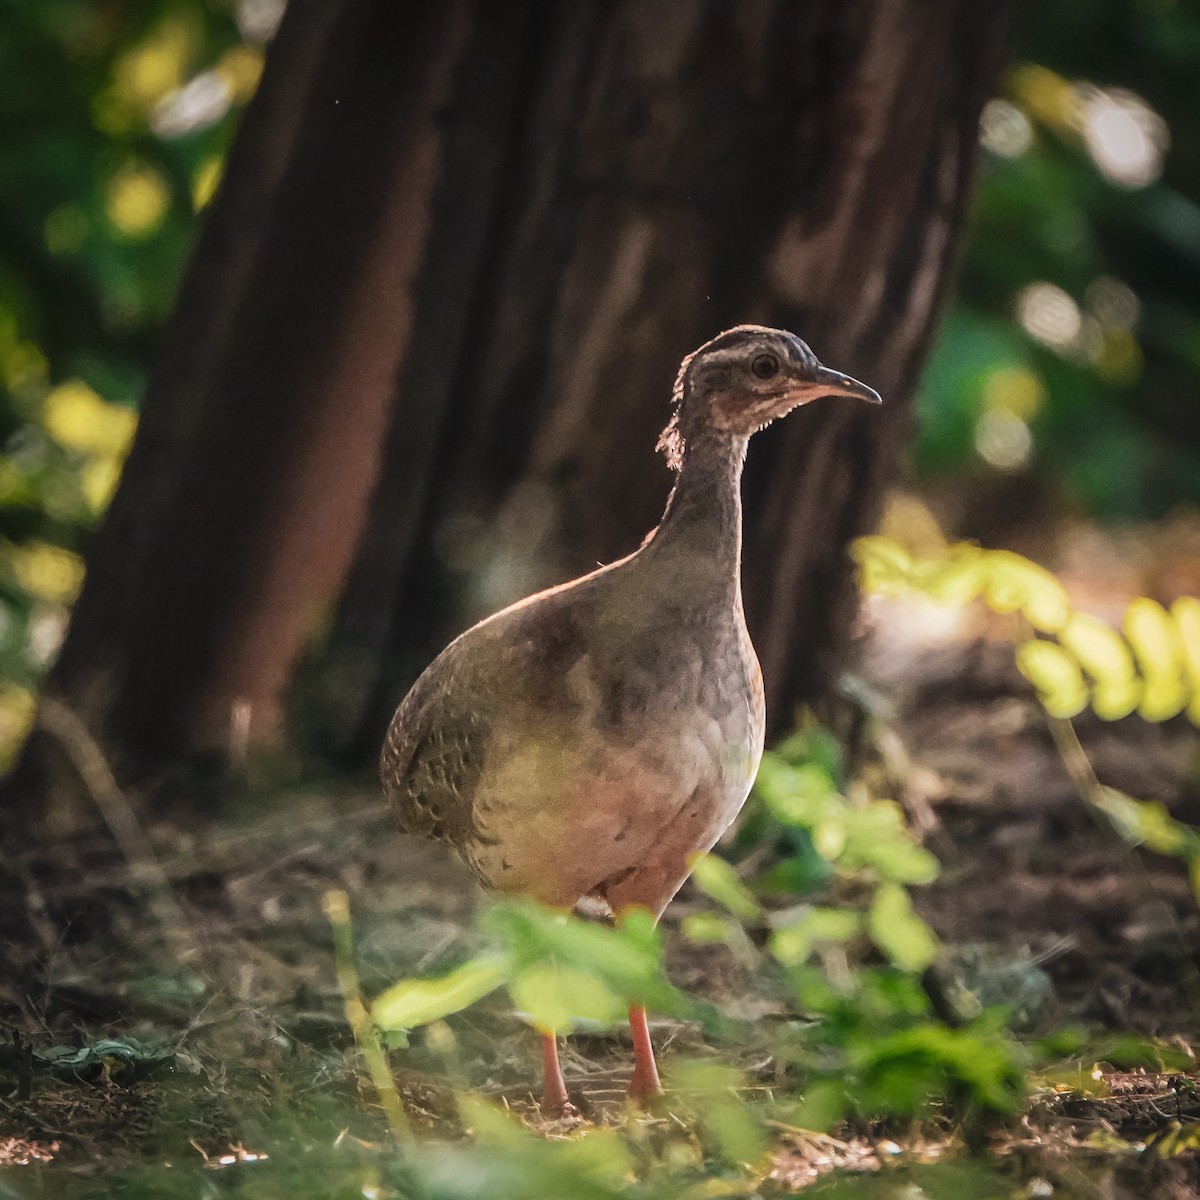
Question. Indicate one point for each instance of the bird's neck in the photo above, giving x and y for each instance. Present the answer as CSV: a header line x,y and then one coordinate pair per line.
x,y
700,535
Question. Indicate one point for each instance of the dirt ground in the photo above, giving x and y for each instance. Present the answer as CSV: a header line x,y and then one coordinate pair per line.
x,y
1032,887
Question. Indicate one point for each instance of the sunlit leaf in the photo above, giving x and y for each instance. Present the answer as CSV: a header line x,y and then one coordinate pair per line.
x,y
797,795
716,878
884,565
46,571
1056,674
898,931
1105,655
705,928
1112,701
414,1002
792,943
877,836
1159,648
1016,583
1186,612
627,959
959,579
137,199
1175,1139
77,417
555,997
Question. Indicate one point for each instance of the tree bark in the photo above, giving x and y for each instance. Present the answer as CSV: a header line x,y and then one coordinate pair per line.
x,y
426,344
674,169
239,508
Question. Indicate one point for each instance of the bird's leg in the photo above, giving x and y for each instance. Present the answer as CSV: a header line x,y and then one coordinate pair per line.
x,y
555,1101
645,1085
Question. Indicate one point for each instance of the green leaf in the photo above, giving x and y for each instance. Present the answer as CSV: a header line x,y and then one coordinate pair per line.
x,y
413,1002
791,944
898,931
706,928
904,1071
877,836
555,998
627,958
801,796
716,878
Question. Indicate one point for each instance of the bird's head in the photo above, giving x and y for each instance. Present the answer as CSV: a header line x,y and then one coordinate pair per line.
x,y
743,380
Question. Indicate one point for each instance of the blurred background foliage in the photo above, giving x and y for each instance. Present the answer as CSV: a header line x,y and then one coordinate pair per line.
x,y
1070,358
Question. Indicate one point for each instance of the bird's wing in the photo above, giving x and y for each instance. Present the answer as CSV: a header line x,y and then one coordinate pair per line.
x,y
433,754
504,677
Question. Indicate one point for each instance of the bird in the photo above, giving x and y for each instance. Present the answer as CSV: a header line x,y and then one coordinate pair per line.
x,y
588,742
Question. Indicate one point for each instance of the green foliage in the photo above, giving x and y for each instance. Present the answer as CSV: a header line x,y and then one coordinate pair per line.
x,y
877,1050
414,1002
858,839
1152,666
1075,320
862,1040
561,972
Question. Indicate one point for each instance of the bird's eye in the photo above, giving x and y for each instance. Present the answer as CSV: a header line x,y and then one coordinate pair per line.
x,y
765,366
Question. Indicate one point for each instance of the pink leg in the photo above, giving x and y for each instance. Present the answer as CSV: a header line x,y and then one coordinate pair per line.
x,y
644,1085
555,1101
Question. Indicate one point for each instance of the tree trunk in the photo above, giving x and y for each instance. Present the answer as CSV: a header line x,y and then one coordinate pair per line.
x,y
671,169
429,332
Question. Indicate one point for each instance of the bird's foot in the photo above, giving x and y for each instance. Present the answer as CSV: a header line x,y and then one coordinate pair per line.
x,y
559,1108
645,1090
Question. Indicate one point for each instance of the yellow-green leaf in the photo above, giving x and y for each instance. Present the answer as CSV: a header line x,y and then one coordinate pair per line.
x,y
882,562
1186,611
1056,674
555,998
705,928
1157,643
957,580
898,931
413,1002
1104,653
1016,583
1112,701
716,878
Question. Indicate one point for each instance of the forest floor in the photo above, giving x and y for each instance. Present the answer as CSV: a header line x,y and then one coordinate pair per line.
x,y
239,1047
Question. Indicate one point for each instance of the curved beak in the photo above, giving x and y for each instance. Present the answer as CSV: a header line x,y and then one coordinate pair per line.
x,y
834,383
